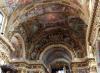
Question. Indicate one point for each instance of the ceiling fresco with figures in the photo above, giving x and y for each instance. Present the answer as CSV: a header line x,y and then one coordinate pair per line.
x,y
45,22
55,23
59,32
11,5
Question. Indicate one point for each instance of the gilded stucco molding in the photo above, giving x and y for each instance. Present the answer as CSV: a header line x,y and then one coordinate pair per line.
x,y
27,66
6,42
95,24
5,49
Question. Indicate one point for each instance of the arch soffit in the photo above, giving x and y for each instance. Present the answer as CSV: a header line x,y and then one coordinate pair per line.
x,y
60,60
56,45
91,41
72,5
15,15
20,39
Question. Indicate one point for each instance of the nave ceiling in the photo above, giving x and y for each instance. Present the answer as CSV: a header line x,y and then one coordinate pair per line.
x,y
42,23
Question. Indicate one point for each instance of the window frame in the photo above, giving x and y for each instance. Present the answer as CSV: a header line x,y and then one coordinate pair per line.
x,y
4,21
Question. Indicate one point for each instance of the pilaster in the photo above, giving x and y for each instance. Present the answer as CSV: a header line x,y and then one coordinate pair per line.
x,y
92,66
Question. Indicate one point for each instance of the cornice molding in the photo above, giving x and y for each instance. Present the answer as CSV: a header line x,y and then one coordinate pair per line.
x,y
6,41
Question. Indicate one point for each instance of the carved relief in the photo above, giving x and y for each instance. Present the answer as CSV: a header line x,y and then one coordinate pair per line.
x,y
4,52
19,46
80,67
4,59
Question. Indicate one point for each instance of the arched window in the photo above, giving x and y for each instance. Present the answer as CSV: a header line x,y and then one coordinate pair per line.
x,y
1,20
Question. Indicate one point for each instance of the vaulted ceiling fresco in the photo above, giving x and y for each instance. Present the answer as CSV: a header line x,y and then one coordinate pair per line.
x,y
11,5
45,22
54,23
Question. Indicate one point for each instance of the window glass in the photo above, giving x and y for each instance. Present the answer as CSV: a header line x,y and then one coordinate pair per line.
x,y
2,62
1,19
60,71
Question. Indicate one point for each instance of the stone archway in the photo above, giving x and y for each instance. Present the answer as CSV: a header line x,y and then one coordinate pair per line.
x,y
56,54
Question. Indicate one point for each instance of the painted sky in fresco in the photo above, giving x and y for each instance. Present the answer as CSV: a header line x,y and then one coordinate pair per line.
x,y
11,5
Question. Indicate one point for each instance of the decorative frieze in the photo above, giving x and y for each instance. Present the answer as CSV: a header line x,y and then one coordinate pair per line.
x,y
88,66
25,67
4,59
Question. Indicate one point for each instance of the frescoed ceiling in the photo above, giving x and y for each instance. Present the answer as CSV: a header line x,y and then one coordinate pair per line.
x,y
54,23
49,22
12,5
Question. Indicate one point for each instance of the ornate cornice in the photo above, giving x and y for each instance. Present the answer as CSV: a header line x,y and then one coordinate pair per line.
x,y
6,42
